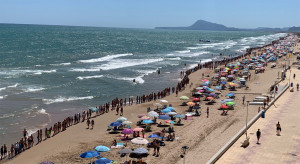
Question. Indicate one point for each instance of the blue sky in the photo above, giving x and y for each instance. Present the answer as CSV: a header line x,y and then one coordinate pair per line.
x,y
151,13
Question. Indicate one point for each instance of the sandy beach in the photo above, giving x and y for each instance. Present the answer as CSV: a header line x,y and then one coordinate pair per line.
x,y
203,135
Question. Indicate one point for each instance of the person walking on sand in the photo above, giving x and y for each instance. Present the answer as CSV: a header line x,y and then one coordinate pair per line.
x,y
294,76
297,86
258,134
122,110
92,124
88,123
278,128
244,99
207,112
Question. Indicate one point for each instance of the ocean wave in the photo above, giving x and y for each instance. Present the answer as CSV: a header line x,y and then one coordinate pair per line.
x,y
183,51
177,58
60,64
124,63
13,86
89,77
32,131
7,115
42,111
35,72
146,72
64,99
138,79
33,89
193,54
85,69
2,97
105,58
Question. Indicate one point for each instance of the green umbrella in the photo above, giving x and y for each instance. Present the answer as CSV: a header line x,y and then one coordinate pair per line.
x,y
230,103
184,98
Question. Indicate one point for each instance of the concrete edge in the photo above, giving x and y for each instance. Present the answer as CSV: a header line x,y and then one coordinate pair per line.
x,y
242,131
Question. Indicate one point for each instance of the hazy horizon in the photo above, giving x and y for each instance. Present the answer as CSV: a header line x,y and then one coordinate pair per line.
x,y
141,14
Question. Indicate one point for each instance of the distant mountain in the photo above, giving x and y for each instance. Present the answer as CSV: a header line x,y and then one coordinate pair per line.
x,y
294,29
202,25
205,25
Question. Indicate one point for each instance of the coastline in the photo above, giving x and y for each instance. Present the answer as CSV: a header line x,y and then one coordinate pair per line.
x,y
210,128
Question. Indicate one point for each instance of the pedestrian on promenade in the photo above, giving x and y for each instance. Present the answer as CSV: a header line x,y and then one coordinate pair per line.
x,y
278,128
258,134
258,109
244,99
294,76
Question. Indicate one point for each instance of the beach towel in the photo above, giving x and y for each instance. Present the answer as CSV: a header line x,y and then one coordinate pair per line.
x,y
119,145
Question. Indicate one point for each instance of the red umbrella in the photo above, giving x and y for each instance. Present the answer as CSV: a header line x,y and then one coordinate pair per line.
x,y
224,106
209,98
196,99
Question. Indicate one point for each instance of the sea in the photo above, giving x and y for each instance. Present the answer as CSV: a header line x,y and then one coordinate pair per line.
x,y
50,72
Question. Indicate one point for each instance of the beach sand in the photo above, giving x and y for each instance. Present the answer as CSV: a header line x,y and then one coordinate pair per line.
x,y
204,136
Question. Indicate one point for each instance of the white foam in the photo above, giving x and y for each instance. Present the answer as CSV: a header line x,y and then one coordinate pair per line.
x,y
13,86
105,58
146,72
123,63
85,69
36,72
192,48
42,111
193,54
177,58
64,99
183,51
138,79
31,131
60,64
38,65
34,89
1,89
39,72
89,77
7,115
2,97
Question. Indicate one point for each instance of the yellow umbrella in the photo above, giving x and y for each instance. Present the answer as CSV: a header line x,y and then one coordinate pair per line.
x,y
190,104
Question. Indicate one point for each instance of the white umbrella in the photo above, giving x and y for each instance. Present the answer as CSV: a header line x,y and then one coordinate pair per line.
x,y
140,141
164,101
153,114
157,105
171,113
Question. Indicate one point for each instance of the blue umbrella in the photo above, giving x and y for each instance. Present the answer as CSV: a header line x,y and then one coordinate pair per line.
x,y
223,82
171,108
147,122
204,84
227,100
164,117
165,111
102,148
179,116
229,94
115,124
89,154
102,161
140,150
153,136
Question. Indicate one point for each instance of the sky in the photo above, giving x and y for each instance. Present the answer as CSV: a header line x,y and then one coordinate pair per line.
x,y
152,13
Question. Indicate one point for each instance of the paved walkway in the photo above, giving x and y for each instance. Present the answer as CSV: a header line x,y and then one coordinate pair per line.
x,y
272,148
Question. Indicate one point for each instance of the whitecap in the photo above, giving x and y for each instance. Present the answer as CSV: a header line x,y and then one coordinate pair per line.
x,y
105,58
89,77
138,79
34,89
64,99
13,86
7,115
124,63
2,97
183,51
177,58
61,64
85,69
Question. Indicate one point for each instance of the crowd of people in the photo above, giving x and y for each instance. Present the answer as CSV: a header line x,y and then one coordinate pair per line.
x,y
117,104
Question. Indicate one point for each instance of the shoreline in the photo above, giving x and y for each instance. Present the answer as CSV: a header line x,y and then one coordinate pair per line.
x,y
186,91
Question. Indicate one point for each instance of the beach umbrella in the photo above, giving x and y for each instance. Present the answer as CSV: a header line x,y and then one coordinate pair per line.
x,y
190,114
199,88
171,108
165,111
164,101
223,78
138,129
153,136
197,93
209,98
145,118
140,150
230,94
218,88
207,82
164,117
147,122
153,114
223,107
179,116
121,119
212,95
127,131
230,103
227,100
102,148
169,121
46,162
115,124
90,154
190,104
201,91
141,115
125,151
93,109
204,80
196,99
204,84
184,98
140,141
157,105
223,82
210,90
171,113
102,161
127,122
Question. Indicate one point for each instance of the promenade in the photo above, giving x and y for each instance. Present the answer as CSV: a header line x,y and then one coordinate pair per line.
x,y
272,148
